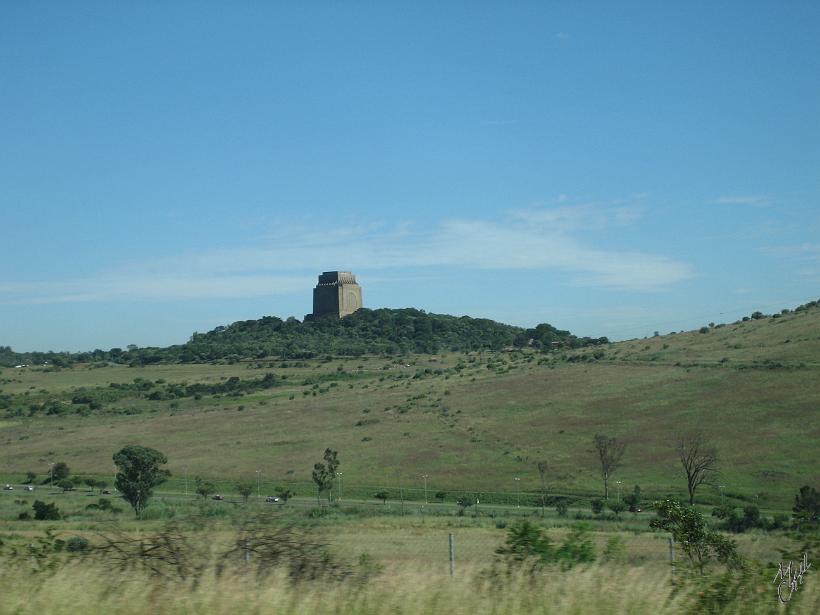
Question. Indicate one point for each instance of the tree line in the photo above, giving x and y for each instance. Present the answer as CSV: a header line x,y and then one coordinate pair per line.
x,y
383,331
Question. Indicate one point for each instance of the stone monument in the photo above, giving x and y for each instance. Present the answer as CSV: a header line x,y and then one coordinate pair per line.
x,y
336,293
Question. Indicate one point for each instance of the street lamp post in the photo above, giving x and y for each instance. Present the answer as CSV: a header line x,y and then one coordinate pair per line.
x,y
51,474
339,474
617,482
424,476
258,490
517,492
186,481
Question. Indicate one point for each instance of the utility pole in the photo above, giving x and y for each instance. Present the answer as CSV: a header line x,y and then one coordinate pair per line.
x,y
258,491
339,474
186,481
517,492
424,476
617,482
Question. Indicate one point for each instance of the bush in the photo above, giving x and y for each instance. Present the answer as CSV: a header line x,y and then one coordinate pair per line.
x,y
617,507
76,544
66,485
562,508
46,512
699,543
597,506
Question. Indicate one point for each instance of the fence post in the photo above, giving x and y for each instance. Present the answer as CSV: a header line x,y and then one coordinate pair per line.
x,y
452,540
672,556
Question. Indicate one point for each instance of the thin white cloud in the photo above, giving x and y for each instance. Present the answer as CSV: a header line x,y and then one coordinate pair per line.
x,y
129,287
757,200
806,251
539,239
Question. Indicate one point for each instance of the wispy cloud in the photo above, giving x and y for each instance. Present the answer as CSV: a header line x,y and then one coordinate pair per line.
x,y
141,287
536,239
806,251
756,200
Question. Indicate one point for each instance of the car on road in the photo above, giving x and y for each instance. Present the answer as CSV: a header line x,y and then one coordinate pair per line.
x,y
217,497
272,498
8,488
29,488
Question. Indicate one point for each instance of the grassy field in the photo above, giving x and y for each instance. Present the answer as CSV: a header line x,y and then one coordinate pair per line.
x,y
397,564
470,422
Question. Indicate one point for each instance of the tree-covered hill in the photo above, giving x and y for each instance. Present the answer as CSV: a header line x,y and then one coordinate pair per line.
x,y
382,331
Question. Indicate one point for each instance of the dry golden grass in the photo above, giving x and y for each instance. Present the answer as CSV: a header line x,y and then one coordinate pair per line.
x,y
606,588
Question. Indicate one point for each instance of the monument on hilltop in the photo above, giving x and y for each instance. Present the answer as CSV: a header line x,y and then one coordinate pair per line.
x,y
336,293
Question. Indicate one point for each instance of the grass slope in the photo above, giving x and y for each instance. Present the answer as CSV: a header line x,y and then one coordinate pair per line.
x,y
469,421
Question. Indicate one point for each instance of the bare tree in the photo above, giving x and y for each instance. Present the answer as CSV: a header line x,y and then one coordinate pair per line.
x,y
542,472
699,460
609,451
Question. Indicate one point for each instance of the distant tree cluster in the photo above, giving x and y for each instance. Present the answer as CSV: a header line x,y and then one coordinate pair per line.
x,y
382,331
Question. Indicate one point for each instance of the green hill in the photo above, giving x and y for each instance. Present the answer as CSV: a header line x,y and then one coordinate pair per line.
x,y
382,331
470,420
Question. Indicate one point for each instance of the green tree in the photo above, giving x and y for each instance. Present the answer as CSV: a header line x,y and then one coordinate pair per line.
x,y
138,472
59,471
465,501
526,540
381,495
65,485
697,540
204,488
46,512
806,508
633,500
616,507
285,494
245,489
30,477
324,473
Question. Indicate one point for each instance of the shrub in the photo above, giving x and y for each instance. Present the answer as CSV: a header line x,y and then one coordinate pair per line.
x,y
597,506
562,508
65,485
806,510
528,545
616,506
46,512
76,544
699,543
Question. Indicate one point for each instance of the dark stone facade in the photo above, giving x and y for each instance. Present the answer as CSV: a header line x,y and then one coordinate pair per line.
x,y
337,293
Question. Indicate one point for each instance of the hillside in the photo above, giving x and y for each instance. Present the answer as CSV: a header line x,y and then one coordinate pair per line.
x,y
382,331
469,420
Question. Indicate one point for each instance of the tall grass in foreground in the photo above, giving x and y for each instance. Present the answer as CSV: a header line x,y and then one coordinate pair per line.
x,y
606,588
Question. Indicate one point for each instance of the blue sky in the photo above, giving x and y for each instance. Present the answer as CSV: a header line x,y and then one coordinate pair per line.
x,y
610,168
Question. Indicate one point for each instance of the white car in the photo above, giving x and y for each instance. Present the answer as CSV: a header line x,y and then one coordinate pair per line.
x,y
28,488
272,498
8,488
